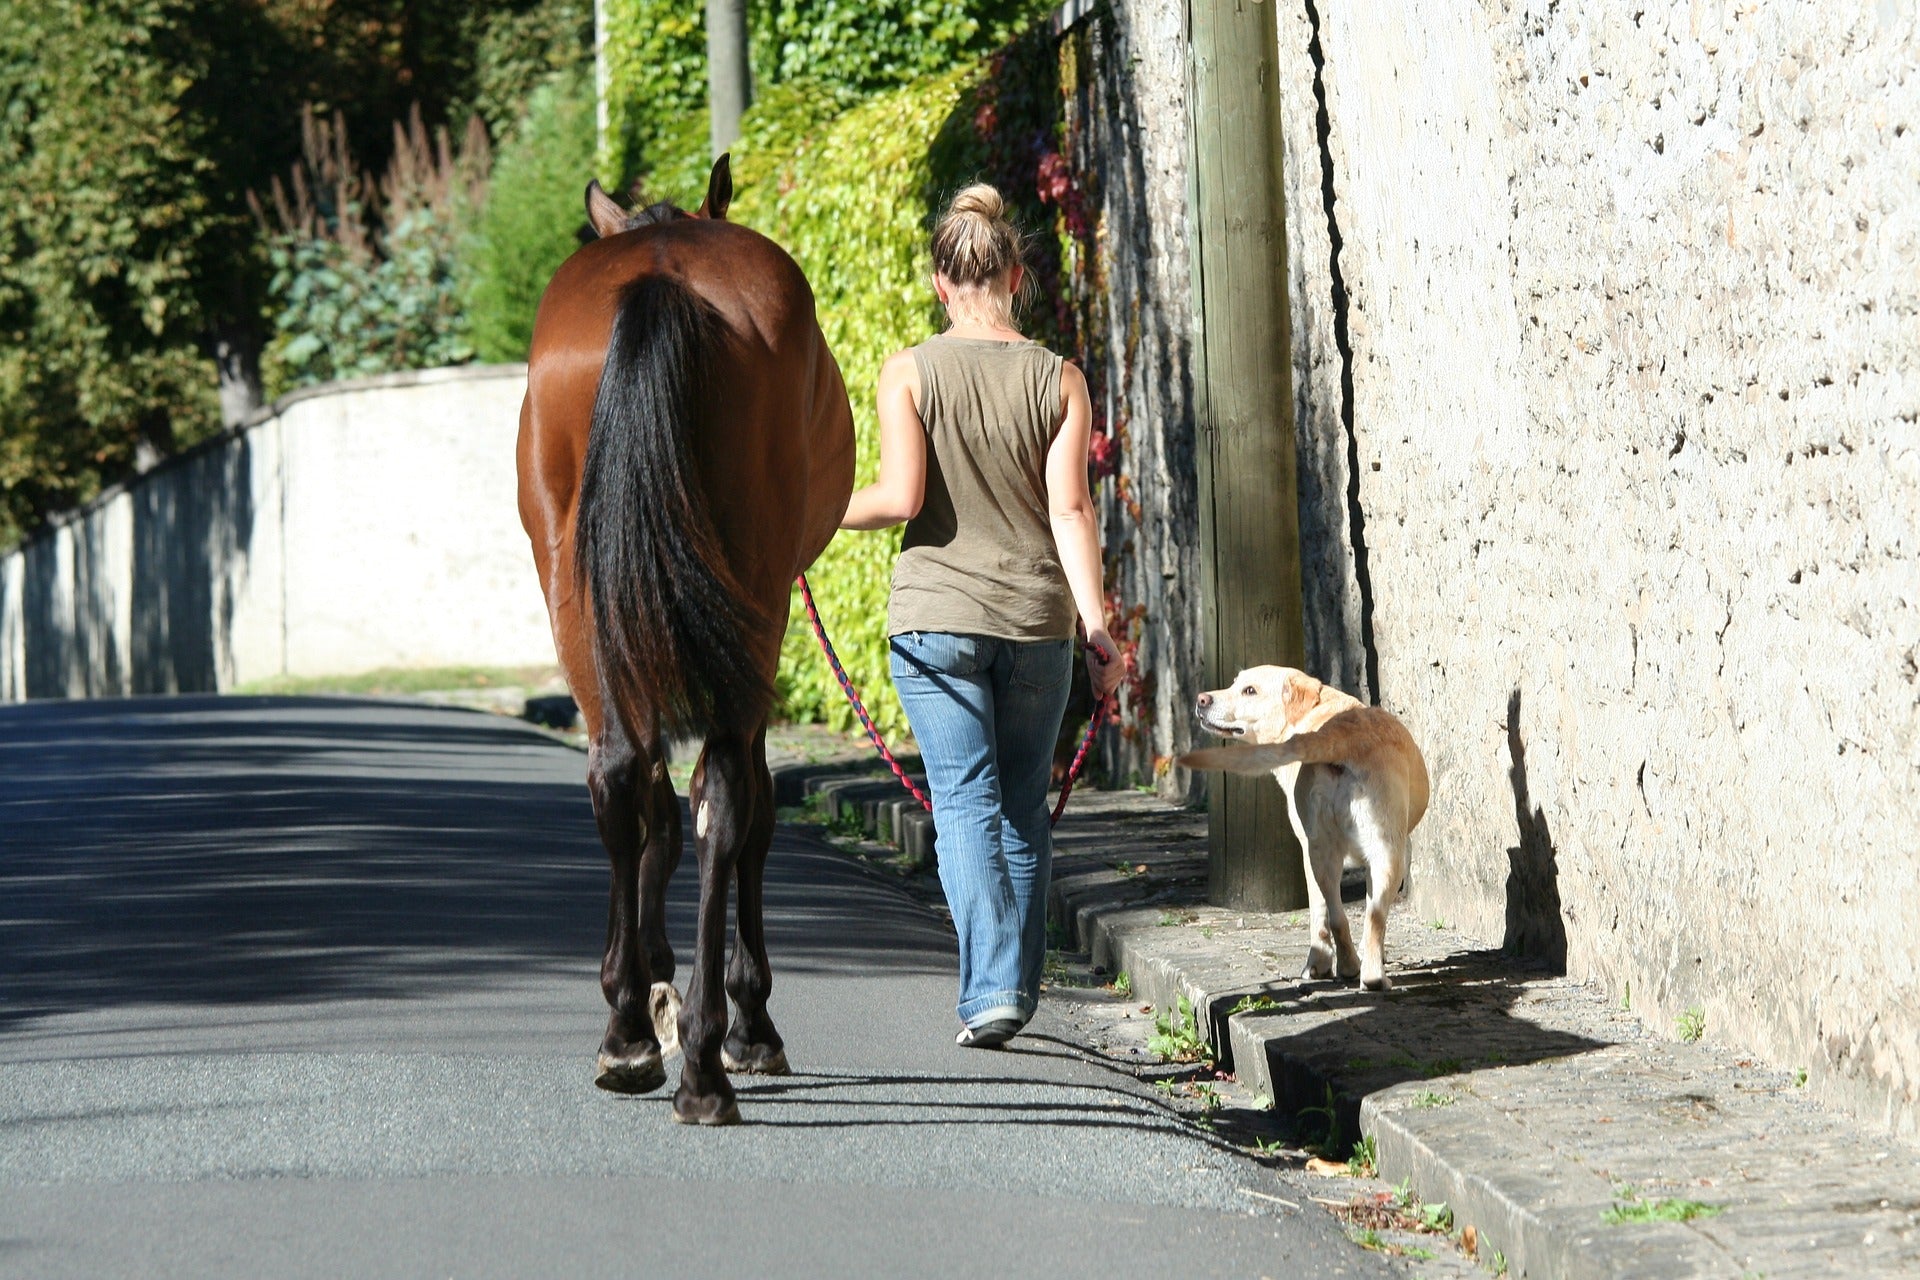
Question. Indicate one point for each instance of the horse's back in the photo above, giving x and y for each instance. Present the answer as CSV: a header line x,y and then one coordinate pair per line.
x,y
775,447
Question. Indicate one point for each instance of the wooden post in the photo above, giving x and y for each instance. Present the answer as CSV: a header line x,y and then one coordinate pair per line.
x,y
1244,445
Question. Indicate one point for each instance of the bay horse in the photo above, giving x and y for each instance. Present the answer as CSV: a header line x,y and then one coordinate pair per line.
x,y
686,448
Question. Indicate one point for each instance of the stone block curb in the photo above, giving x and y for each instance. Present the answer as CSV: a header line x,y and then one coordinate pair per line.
x,y
1529,1104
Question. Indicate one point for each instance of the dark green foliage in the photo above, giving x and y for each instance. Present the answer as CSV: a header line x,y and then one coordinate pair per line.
x,y
518,51
877,44
115,245
534,208
345,317
366,277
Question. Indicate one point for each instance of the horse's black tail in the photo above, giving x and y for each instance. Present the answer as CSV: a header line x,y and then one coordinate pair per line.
x,y
671,624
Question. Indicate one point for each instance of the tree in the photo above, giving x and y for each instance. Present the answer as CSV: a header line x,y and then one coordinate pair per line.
x,y
111,247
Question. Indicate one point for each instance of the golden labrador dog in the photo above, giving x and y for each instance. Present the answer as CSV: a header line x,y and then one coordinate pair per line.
x,y
1356,788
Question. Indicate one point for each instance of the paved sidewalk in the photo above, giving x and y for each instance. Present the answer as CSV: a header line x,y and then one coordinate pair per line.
x,y
1573,1139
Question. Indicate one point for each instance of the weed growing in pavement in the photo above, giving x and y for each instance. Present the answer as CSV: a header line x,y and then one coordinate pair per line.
x,y
1626,999
1169,919
1178,1039
1367,1238
1800,1078
1437,923
1262,1147
1363,1162
1437,1218
1331,1115
1254,1004
1427,1099
1209,1096
1692,1024
1122,983
1499,1261
1667,1209
1167,1085
1416,1251
1403,1196
1206,931
1128,870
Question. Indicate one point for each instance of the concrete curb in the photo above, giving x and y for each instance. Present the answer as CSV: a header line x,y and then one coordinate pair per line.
x,y
1526,1103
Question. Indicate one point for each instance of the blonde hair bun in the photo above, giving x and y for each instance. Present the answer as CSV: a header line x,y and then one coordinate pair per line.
x,y
981,199
973,243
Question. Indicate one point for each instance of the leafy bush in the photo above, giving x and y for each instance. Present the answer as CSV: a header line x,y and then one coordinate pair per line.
x,y
533,210
363,287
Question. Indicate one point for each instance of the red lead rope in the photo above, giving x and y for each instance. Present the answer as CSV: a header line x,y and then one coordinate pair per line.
x,y
879,744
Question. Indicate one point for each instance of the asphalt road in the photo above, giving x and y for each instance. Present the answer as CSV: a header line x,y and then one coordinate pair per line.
x,y
304,987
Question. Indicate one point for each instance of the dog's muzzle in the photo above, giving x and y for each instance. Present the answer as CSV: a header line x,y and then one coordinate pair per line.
x,y
1203,711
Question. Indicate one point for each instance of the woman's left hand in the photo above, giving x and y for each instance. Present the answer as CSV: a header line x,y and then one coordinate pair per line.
x,y
1105,667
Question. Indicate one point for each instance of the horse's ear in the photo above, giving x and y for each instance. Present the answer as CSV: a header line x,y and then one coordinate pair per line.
x,y
719,188
604,214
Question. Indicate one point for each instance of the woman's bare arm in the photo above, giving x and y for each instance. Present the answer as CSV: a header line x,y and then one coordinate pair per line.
x,y
1076,530
896,496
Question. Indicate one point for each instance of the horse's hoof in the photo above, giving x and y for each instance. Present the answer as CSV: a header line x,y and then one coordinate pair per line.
x,y
705,1110
664,1003
642,1074
759,1061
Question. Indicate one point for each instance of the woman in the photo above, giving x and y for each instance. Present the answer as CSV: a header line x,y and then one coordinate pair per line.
x,y
983,453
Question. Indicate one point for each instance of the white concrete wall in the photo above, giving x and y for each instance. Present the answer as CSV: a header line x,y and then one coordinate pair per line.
x,y
357,526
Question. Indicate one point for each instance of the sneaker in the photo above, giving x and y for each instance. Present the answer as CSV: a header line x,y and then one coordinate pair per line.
x,y
988,1035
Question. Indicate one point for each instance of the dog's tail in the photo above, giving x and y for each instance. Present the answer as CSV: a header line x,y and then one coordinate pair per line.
x,y
1339,741
1312,747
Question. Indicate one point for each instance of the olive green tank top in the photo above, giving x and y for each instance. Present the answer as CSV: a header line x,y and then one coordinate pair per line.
x,y
979,558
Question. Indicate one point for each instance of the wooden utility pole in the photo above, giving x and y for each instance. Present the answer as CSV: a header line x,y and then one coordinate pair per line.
x,y
729,80
1244,446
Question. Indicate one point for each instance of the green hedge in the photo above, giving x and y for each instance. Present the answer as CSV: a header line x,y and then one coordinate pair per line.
x,y
533,209
847,200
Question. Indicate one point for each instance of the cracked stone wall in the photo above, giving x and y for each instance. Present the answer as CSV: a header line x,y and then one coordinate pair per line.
x,y
1626,514
1125,73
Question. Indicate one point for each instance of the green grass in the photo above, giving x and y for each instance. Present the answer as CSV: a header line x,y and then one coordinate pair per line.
x,y
399,682
1691,1025
1427,1099
1123,983
1364,1160
1632,1208
1254,1004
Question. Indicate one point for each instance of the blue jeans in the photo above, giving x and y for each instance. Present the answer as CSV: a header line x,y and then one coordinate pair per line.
x,y
985,713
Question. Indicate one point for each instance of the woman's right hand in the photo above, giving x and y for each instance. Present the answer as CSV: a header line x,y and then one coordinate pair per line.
x,y
1105,667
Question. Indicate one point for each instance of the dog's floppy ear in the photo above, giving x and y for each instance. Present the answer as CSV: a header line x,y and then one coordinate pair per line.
x,y
1302,694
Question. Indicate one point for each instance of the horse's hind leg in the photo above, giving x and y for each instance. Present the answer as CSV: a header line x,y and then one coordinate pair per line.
x,y
658,859
618,778
752,1043
723,809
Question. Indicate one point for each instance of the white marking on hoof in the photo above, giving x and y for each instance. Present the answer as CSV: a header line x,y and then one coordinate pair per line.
x,y
664,1004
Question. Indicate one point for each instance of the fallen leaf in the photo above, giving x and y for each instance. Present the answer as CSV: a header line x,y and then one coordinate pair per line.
x,y
1139,868
1327,1168
1470,1240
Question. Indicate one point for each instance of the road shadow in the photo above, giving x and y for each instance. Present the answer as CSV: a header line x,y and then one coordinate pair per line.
x,y
208,851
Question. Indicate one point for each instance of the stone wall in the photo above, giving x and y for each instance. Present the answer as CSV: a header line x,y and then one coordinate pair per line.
x,y
352,527
1633,304
1124,70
